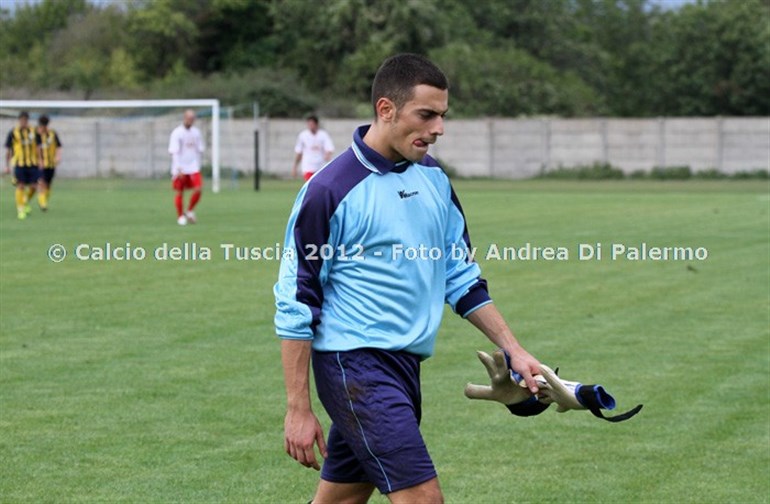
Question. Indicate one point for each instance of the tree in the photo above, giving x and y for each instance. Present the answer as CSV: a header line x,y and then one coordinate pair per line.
x,y
89,54
506,81
503,57
162,32
34,21
713,58
234,35
25,37
337,45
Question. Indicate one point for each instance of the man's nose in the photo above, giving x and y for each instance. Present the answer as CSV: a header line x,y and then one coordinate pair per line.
x,y
437,126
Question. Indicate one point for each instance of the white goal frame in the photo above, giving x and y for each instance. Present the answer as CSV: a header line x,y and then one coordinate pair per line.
x,y
116,104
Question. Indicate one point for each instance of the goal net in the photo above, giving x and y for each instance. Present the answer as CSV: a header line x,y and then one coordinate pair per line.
x,y
124,138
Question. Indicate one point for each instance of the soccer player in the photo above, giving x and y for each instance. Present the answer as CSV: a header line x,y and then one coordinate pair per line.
x,y
22,149
364,309
50,157
314,148
186,146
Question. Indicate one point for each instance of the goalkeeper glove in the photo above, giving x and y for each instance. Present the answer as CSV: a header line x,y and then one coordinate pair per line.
x,y
505,387
573,395
508,387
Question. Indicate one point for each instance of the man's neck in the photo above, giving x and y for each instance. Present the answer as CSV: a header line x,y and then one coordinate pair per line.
x,y
376,139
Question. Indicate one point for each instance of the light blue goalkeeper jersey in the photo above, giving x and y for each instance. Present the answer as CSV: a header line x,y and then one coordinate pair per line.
x,y
373,250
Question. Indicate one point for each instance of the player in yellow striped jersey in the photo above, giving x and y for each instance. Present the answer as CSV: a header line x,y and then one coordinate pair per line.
x,y
50,156
22,151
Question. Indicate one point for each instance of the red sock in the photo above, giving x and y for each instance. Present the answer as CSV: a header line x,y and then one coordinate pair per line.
x,y
194,199
178,203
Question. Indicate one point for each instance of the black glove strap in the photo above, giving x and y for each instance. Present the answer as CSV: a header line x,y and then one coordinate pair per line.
x,y
530,407
618,418
587,398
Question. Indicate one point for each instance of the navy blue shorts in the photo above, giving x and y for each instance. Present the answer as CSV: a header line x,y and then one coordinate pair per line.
x,y
373,398
25,175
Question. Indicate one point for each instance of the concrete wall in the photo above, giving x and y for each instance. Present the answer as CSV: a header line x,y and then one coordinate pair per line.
x,y
102,147
505,148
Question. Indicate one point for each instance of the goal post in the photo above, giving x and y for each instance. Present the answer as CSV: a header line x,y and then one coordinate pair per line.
x,y
125,104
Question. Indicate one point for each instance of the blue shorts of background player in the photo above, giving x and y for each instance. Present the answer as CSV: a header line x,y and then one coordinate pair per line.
x,y
26,175
373,398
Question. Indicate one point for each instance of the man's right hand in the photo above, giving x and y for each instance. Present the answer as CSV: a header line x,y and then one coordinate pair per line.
x,y
302,431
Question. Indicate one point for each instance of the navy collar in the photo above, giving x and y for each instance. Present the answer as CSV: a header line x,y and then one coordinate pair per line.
x,y
372,159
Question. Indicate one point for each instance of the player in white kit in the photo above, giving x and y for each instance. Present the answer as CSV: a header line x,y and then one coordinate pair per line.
x,y
314,148
186,147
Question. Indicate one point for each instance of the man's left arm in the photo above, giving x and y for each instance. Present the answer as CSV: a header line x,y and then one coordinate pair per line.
x,y
489,320
467,293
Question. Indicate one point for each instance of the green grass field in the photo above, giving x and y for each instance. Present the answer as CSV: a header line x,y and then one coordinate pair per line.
x,y
160,381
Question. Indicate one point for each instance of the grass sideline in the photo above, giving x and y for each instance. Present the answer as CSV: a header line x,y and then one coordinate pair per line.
x,y
160,381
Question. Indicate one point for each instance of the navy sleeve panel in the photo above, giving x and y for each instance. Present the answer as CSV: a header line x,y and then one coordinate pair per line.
x,y
466,235
478,294
312,228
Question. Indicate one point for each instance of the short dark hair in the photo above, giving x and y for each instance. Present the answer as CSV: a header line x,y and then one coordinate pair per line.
x,y
399,74
312,117
43,120
24,114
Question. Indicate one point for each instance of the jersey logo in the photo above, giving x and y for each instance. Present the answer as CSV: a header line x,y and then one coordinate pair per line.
x,y
403,194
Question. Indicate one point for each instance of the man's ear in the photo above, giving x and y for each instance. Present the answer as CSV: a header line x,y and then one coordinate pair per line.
x,y
386,109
